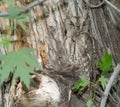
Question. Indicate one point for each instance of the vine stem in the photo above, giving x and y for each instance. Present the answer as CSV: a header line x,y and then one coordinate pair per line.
x,y
109,85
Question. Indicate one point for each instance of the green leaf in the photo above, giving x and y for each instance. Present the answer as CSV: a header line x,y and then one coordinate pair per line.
x,y
14,14
5,41
3,1
103,80
106,63
13,11
81,84
21,19
89,103
24,63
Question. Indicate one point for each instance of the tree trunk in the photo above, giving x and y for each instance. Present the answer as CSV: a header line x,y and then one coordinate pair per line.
x,y
69,38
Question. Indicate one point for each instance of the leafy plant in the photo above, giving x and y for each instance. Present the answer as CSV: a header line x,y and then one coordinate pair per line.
x,y
5,41
103,80
14,14
22,62
3,0
81,84
89,103
105,66
106,63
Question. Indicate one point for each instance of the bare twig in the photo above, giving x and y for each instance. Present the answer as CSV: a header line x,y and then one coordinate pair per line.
x,y
102,3
109,85
112,6
31,5
92,6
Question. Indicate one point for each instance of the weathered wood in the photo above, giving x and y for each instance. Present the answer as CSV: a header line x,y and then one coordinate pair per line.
x,y
104,30
69,39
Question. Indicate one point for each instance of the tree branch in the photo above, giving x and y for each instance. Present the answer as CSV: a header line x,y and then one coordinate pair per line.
x,y
31,5
112,6
92,6
102,3
109,85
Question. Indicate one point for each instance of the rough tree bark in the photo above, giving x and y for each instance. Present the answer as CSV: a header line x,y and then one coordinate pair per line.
x,y
69,38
